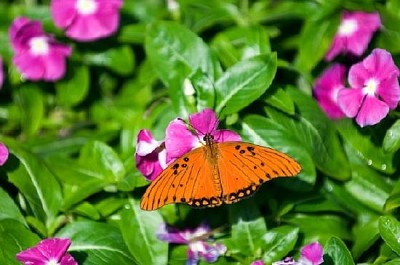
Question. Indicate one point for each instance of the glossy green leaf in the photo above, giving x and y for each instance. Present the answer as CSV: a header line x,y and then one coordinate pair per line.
x,y
29,99
139,228
360,141
14,237
121,59
34,180
365,235
102,161
248,227
369,187
244,82
204,90
336,252
281,100
320,227
96,243
394,198
170,48
134,33
74,87
389,228
8,208
391,142
267,132
315,39
279,242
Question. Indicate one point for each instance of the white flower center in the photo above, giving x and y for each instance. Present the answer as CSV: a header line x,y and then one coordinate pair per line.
x,y
86,7
370,87
348,27
39,46
335,93
52,262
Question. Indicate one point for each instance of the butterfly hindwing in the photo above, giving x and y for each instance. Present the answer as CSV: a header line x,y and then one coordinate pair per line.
x,y
243,167
186,180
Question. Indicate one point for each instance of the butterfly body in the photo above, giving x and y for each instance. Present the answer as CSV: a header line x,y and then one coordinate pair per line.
x,y
217,173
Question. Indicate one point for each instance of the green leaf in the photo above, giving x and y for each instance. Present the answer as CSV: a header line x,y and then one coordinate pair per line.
x,y
320,227
139,228
119,59
204,89
96,243
336,252
282,101
73,88
102,161
244,82
365,235
29,99
389,228
239,43
318,135
393,201
248,227
8,208
361,142
279,242
315,39
34,180
391,142
134,34
175,53
267,132
14,237
369,187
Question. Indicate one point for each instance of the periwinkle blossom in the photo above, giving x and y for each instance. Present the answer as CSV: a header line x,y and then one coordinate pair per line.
x,y
258,262
51,251
326,90
354,34
3,154
311,254
180,139
198,248
37,55
153,156
374,89
86,20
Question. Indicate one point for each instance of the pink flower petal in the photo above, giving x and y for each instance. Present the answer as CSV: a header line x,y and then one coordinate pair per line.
x,y
22,30
3,154
171,235
358,75
204,121
350,100
380,63
30,66
226,136
338,46
313,253
327,88
179,140
146,144
389,91
357,44
372,111
63,12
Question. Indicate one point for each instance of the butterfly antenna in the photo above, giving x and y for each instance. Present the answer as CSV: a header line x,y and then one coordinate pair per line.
x,y
191,128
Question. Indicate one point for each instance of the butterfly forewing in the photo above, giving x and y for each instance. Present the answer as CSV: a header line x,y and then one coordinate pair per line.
x,y
186,180
243,167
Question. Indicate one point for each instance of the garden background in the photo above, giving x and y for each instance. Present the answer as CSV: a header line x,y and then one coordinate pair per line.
x,y
70,123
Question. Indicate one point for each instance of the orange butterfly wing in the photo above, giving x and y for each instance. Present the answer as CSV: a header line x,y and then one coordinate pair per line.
x,y
243,167
186,180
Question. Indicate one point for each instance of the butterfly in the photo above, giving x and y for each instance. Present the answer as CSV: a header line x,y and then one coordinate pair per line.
x,y
217,173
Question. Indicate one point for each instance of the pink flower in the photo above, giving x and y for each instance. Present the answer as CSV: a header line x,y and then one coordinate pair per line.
x,y
86,20
3,154
151,156
51,251
354,33
374,89
195,239
258,262
326,90
179,139
37,55
311,254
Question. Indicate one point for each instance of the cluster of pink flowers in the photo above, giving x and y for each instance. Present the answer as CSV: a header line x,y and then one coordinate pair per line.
x,y
38,56
153,156
373,82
